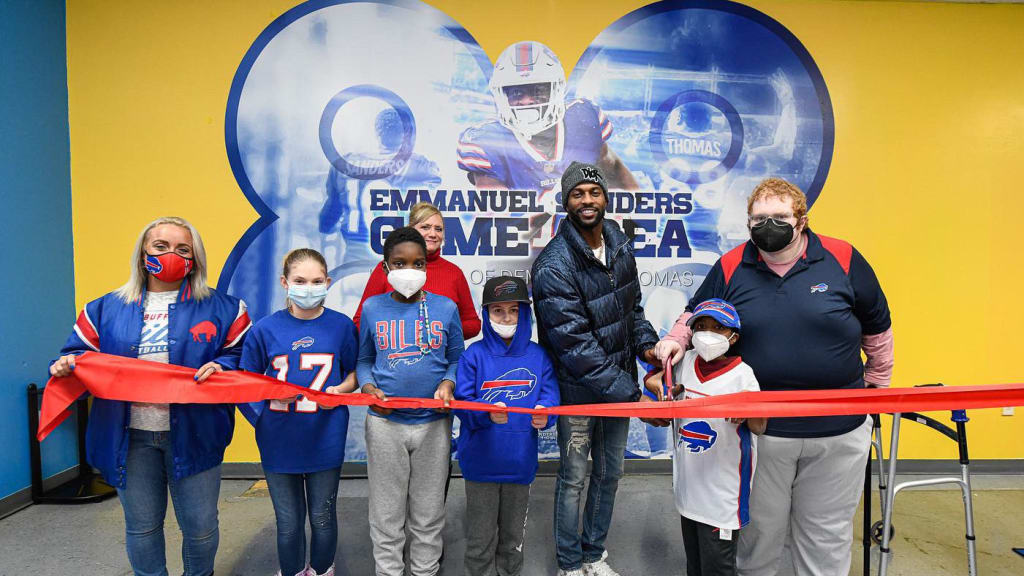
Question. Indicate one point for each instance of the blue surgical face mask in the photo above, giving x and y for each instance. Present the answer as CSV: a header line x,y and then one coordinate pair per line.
x,y
307,296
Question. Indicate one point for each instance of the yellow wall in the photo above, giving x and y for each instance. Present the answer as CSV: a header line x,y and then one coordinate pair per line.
x,y
925,179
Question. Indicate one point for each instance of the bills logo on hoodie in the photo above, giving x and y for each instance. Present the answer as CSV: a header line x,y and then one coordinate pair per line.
x,y
512,385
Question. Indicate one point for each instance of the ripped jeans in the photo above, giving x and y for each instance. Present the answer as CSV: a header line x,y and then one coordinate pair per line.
x,y
293,495
604,440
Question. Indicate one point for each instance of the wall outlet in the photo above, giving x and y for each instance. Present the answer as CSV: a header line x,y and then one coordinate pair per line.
x,y
1008,411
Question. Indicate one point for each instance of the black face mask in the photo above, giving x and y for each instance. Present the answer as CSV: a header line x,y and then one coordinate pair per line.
x,y
772,235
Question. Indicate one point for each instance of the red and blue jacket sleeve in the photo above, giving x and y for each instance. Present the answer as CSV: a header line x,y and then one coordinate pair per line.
x,y
231,352
85,334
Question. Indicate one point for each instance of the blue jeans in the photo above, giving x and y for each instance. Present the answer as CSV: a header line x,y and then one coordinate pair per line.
x,y
293,495
604,440
144,499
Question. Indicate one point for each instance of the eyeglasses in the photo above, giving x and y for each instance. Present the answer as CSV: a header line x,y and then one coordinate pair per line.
x,y
758,219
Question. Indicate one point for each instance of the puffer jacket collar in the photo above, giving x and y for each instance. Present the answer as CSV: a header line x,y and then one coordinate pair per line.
x,y
614,241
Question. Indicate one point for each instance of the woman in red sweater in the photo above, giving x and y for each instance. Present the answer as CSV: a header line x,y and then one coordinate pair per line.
x,y
443,277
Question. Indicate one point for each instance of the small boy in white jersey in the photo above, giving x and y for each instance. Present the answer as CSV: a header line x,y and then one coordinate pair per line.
x,y
714,458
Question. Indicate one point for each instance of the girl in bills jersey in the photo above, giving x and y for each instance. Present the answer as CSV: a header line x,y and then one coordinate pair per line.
x,y
302,444
714,458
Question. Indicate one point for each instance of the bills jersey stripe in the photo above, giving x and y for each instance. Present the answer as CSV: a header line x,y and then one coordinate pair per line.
x,y
467,148
474,163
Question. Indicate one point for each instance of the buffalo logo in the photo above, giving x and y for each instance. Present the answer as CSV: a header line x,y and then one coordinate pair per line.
x,y
507,287
205,331
715,307
153,266
698,435
304,342
819,288
512,385
405,358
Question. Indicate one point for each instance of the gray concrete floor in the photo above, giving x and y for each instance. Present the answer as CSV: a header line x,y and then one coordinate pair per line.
x,y
89,539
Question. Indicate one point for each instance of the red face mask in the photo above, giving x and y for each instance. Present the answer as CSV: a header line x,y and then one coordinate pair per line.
x,y
168,267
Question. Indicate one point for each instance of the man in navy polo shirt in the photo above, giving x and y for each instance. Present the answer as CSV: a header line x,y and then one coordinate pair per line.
x,y
810,305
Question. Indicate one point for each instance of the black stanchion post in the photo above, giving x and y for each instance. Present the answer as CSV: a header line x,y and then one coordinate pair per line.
x,y
86,486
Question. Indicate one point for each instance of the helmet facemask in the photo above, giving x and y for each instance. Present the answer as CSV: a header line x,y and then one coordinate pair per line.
x,y
529,109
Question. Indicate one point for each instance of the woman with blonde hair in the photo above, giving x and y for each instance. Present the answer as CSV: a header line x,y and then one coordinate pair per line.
x,y
165,313
443,277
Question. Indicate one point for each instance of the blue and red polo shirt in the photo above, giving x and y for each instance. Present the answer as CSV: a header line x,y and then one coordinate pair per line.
x,y
802,331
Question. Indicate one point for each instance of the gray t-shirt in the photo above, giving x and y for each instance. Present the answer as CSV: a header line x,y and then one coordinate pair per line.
x,y
153,347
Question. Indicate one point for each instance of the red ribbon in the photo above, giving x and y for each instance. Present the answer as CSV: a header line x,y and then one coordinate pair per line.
x,y
132,380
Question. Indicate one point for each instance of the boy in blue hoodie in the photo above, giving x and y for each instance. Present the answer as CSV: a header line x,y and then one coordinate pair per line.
x,y
498,452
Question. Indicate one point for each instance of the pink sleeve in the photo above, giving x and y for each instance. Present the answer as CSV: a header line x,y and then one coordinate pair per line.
x,y
680,332
879,349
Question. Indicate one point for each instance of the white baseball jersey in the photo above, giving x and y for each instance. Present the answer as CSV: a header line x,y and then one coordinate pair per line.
x,y
714,460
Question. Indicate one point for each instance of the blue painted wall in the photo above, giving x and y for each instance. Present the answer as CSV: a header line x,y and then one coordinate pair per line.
x,y
36,254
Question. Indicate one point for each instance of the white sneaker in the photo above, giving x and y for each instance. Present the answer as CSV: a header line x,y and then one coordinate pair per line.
x,y
576,572
599,568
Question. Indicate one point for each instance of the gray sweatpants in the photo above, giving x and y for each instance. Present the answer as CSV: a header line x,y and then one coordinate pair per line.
x,y
808,489
495,528
407,465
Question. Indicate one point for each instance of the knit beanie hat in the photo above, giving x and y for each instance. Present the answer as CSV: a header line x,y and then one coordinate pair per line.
x,y
578,173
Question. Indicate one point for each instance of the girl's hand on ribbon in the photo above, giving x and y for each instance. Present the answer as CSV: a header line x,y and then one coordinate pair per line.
x,y
347,386
499,417
539,421
379,394
63,366
205,370
445,393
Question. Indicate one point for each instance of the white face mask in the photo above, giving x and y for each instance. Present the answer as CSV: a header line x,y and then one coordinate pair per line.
x,y
504,330
407,281
307,296
709,345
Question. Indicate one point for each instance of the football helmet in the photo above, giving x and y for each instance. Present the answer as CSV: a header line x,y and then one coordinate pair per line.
x,y
528,85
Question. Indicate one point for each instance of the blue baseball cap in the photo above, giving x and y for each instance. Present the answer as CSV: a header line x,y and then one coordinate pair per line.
x,y
720,310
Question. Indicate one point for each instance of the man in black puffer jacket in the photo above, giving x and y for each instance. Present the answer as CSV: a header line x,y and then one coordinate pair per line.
x,y
589,318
